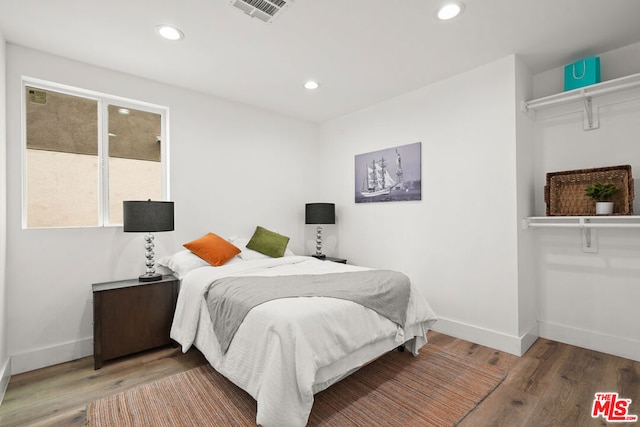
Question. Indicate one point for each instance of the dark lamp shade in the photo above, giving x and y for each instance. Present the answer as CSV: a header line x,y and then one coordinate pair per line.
x,y
147,216
320,213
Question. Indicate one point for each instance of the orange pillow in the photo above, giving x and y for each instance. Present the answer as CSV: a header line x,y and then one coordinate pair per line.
x,y
213,249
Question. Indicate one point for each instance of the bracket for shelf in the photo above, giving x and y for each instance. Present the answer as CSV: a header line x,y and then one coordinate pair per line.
x,y
590,116
589,237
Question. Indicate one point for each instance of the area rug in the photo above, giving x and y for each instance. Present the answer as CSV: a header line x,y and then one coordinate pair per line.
x,y
436,388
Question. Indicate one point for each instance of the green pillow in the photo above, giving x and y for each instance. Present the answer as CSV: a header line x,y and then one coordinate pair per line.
x,y
268,243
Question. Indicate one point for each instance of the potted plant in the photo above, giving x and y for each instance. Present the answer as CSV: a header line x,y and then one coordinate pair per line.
x,y
601,193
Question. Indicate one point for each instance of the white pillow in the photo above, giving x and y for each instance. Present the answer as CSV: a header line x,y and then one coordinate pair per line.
x,y
249,254
183,262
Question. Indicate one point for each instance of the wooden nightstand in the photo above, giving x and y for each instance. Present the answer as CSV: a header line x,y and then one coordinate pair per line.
x,y
328,258
131,316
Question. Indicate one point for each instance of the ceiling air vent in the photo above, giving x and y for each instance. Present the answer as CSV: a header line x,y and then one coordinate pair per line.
x,y
264,10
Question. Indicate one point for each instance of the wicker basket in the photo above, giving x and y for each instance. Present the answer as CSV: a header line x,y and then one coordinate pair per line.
x,y
565,195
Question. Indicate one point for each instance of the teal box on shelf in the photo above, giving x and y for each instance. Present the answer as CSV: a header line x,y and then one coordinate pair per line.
x,y
582,73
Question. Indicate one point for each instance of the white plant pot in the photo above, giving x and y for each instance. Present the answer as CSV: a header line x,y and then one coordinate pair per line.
x,y
604,208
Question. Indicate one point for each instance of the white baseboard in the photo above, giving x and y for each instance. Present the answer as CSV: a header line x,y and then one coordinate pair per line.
x,y
498,340
36,359
5,376
527,340
617,346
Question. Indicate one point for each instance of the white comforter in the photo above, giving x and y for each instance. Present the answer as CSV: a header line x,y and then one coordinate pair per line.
x,y
288,349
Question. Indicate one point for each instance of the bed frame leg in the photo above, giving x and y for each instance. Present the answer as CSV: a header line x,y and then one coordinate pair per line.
x,y
401,348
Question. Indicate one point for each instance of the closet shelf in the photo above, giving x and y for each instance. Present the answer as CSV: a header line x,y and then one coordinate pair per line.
x,y
621,221
583,93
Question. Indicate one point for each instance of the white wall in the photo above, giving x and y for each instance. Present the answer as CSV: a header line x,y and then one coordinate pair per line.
x,y
459,244
232,167
4,358
525,179
590,299
484,164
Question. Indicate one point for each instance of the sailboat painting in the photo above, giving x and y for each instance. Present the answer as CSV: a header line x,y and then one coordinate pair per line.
x,y
389,175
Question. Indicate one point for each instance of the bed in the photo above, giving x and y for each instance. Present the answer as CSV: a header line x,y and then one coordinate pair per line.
x,y
287,349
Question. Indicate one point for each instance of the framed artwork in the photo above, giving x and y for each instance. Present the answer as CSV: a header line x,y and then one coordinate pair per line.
x,y
390,175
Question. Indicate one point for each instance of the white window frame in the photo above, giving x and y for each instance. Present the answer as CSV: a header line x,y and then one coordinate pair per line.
x,y
103,100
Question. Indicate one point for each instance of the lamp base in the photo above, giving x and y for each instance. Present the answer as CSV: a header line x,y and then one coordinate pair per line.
x,y
150,277
319,256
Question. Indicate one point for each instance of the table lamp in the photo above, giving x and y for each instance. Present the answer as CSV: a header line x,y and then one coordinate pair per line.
x,y
148,216
320,213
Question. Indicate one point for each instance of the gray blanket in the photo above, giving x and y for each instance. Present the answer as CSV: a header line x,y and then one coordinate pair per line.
x,y
230,299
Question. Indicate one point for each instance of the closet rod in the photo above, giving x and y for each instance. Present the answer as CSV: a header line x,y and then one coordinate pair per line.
x,y
583,225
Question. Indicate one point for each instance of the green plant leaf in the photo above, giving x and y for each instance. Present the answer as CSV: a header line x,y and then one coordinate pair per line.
x,y
601,192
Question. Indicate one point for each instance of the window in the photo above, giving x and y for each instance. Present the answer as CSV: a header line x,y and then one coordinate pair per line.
x,y
85,152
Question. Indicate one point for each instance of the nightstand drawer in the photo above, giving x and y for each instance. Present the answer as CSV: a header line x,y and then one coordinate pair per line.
x,y
131,316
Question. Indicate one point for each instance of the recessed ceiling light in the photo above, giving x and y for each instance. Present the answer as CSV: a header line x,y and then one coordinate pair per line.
x,y
449,11
311,85
123,111
168,32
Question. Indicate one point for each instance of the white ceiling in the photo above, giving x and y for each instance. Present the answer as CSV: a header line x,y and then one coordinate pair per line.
x,y
361,51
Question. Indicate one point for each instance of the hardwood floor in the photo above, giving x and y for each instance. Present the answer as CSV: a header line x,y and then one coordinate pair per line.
x,y
552,385
58,395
